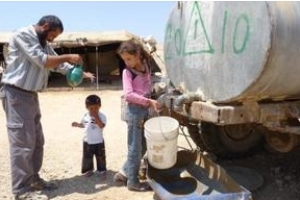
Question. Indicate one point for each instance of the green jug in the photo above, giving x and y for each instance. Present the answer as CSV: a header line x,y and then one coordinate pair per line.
x,y
75,76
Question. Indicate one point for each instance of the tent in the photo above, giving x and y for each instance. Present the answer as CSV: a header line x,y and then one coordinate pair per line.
x,y
98,50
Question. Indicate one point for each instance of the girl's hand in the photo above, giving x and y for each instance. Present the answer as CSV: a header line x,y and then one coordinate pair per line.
x,y
155,105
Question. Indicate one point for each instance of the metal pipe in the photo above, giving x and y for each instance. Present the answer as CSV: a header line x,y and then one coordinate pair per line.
x,y
184,99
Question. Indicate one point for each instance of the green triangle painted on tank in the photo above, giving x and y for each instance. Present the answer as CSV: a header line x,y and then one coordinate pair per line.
x,y
195,33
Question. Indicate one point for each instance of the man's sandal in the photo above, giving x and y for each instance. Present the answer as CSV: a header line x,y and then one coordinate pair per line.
x,y
31,195
44,185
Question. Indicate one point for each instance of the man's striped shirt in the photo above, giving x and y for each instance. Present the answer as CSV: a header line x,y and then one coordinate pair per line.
x,y
26,60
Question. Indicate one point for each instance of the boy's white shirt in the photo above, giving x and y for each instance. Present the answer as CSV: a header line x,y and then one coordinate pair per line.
x,y
93,134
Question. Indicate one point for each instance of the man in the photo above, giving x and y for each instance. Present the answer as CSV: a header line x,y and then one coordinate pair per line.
x,y
29,62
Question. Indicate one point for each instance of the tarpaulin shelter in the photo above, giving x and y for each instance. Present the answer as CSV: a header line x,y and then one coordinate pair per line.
x,y
98,50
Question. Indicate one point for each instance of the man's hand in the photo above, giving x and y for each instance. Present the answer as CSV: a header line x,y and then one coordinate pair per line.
x,y
155,105
75,59
55,60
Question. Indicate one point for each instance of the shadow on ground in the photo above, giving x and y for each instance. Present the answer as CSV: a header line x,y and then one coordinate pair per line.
x,y
83,185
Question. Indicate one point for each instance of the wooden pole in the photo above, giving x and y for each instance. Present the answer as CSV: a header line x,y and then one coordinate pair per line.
x,y
97,75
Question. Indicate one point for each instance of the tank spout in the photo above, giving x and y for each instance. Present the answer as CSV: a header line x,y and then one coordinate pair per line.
x,y
185,99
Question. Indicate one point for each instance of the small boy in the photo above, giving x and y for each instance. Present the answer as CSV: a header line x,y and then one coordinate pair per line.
x,y
93,142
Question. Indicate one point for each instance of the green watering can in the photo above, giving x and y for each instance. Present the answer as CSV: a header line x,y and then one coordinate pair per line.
x,y
75,76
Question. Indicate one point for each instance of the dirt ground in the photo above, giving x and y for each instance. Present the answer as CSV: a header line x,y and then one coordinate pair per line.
x,y
63,146
63,149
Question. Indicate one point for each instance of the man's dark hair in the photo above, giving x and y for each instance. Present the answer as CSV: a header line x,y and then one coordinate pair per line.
x,y
53,21
93,100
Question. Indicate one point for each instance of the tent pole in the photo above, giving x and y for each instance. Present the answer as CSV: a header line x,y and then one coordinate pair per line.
x,y
97,75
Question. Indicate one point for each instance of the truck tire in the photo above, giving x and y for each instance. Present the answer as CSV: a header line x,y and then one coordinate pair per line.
x,y
231,141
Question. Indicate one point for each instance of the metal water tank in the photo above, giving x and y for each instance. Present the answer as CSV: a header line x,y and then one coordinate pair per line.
x,y
234,51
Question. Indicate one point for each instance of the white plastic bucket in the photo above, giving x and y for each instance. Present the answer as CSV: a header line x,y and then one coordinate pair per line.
x,y
161,136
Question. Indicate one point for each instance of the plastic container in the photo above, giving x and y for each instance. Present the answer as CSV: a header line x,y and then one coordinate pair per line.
x,y
75,76
161,136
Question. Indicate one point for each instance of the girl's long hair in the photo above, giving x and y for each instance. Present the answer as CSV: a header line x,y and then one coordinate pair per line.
x,y
134,47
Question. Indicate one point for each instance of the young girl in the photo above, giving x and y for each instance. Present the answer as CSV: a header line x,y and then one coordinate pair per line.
x,y
136,88
93,142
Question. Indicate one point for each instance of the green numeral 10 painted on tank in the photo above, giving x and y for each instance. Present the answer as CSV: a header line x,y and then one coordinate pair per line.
x,y
242,19
196,39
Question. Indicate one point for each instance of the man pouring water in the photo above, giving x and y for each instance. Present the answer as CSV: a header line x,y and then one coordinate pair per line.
x,y
29,61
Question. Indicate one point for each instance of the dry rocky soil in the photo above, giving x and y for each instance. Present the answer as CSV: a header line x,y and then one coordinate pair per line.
x,y
63,150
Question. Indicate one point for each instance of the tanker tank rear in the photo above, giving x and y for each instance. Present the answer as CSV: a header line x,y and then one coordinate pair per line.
x,y
234,51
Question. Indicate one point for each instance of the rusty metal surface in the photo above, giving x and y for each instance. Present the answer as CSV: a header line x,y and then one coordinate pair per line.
x,y
270,115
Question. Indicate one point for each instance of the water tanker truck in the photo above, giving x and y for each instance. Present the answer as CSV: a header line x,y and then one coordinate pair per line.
x,y
233,74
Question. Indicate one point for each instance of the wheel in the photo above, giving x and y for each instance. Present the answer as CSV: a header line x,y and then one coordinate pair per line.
x,y
231,141
281,142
